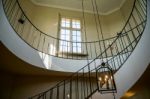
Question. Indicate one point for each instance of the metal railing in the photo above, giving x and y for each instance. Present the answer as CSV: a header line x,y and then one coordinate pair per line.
x,y
83,83
47,44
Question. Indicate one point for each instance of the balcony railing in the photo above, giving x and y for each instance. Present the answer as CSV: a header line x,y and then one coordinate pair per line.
x,y
47,44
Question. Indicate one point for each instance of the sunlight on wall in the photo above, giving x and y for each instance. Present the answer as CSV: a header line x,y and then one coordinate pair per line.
x,y
47,59
52,49
129,94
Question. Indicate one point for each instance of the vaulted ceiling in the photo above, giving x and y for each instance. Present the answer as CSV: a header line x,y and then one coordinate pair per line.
x,y
105,7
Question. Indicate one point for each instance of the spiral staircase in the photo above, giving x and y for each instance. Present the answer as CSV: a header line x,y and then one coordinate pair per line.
x,y
127,46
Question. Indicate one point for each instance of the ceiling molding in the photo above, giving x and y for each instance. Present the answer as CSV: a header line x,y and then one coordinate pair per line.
x,y
74,9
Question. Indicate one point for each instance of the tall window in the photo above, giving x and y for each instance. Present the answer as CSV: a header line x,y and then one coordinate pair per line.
x,y
70,32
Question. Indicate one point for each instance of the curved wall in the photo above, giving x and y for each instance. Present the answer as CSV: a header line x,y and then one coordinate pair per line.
x,y
16,45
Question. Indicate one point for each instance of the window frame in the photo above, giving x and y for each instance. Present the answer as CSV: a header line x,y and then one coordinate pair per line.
x,y
71,29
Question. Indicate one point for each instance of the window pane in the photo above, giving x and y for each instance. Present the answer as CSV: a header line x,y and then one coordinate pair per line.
x,y
78,33
62,43
78,39
79,49
76,24
74,38
63,37
78,45
64,48
65,22
67,38
67,32
74,33
74,49
60,48
63,31
74,44
66,43
67,25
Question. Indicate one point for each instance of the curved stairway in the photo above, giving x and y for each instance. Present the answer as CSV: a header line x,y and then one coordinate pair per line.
x,y
83,83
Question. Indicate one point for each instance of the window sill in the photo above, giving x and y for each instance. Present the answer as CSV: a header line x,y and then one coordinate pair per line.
x,y
72,54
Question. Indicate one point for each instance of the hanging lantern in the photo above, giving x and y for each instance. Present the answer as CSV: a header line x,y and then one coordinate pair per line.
x,y
105,79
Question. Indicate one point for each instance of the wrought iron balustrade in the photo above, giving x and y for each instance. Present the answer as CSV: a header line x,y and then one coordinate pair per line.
x,y
47,44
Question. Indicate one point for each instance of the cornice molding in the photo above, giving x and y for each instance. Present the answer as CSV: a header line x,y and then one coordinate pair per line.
x,y
74,9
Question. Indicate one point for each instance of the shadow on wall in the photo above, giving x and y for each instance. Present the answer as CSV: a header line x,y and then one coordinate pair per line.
x,y
141,89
